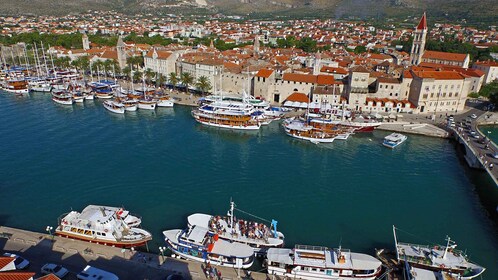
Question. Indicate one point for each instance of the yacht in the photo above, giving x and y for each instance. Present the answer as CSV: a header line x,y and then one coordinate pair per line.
x,y
315,262
200,244
255,234
62,97
438,258
111,226
393,140
18,86
302,130
164,101
227,114
40,85
114,106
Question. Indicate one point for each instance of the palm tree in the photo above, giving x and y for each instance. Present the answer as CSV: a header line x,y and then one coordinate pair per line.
x,y
160,79
149,74
187,79
173,79
126,72
137,76
203,84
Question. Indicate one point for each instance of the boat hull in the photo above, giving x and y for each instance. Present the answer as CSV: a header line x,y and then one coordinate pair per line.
x,y
313,276
103,242
147,106
16,90
63,102
238,127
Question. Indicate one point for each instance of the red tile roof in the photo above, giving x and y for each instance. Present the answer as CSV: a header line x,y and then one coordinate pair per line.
x,y
487,63
264,73
298,97
4,261
49,277
444,56
335,70
325,80
423,23
439,75
16,275
302,78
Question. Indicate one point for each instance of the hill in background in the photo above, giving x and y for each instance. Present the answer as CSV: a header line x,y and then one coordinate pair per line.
x,y
482,11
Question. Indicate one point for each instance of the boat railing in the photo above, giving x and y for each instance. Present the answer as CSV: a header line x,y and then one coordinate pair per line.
x,y
311,248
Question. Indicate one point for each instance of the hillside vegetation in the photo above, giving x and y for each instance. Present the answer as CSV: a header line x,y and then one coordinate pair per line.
x,y
482,11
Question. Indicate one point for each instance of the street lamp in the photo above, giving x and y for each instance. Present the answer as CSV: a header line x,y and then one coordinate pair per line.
x,y
49,230
162,249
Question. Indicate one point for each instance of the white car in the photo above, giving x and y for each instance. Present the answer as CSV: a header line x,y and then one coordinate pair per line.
x,y
474,116
20,262
56,269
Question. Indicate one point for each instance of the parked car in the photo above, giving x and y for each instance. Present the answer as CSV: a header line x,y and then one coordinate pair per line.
x,y
56,269
20,262
92,273
474,116
495,155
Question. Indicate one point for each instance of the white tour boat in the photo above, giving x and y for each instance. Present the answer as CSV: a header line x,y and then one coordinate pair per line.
x,y
257,235
315,262
130,105
111,226
438,258
227,114
393,140
147,104
199,244
302,130
114,106
18,86
62,97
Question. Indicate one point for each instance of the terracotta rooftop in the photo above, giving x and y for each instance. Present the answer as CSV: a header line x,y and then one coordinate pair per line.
x,y
360,68
487,63
423,23
4,261
325,80
444,56
302,78
298,97
264,73
335,70
439,75
16,275
49,277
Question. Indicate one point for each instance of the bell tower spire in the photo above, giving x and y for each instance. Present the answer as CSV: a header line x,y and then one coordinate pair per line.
x,y
419,37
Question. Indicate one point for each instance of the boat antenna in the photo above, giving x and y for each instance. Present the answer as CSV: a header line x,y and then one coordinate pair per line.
x,y
396,243
448,241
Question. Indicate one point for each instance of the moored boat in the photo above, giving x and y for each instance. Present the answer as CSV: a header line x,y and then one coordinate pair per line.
x,y
147,104
18,86
227,114
114,106
199,244
304,131
315,262
255,234
105,225
393,140
437,258
62,97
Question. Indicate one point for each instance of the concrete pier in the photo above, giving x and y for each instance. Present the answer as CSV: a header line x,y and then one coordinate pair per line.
x,y
41,248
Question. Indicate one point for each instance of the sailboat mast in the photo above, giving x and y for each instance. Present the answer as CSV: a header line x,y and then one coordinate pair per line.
x,y
44,58
396,243
447,245
52,59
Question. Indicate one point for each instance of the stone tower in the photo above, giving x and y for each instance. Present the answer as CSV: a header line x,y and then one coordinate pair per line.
x,y
256,46
418,46
120,48
86,42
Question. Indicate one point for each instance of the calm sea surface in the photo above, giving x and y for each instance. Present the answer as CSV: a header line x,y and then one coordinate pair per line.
x,y
165,166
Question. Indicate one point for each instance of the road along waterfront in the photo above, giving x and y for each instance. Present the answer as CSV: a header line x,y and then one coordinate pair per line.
x,y
164,166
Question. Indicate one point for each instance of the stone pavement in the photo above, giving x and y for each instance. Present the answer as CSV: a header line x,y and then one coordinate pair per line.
x,y
40,248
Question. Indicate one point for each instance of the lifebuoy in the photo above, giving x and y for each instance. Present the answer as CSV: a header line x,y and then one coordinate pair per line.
x,y
106,230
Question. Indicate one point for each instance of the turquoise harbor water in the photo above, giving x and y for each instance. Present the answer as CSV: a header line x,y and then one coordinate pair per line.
x,y
165,166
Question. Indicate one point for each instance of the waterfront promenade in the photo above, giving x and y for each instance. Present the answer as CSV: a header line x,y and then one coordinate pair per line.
x,y
41,248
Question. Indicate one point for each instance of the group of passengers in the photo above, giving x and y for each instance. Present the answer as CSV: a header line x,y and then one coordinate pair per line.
x,y
248,229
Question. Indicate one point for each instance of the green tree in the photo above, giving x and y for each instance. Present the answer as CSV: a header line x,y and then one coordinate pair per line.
x,y
173,79
160,79
489,90
126,72
203,84
137,76
187,80
149,74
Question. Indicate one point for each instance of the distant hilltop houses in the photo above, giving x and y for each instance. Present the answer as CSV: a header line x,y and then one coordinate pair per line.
x,y
384,81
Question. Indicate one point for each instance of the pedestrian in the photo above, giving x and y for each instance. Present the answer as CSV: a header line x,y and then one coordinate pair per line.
x,y
219,275
491,166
